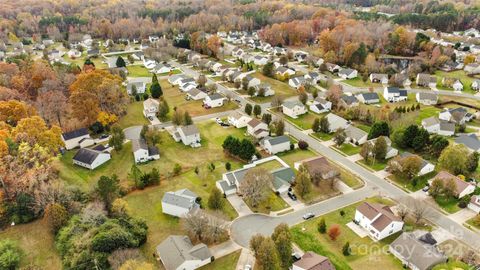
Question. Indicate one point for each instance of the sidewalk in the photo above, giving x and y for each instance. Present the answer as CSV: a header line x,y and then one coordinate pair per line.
x,y
224,249
246,257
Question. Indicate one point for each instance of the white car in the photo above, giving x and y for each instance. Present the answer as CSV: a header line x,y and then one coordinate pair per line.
x,y
247,267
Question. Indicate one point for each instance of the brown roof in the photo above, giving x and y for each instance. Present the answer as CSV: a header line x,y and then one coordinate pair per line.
x,y
254,122
460,184
313,261
318,165
372,210
474,199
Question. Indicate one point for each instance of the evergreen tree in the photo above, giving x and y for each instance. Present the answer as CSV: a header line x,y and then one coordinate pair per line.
x,y
156,90
322,226
257,110
248,109
215,200
187,119
120,62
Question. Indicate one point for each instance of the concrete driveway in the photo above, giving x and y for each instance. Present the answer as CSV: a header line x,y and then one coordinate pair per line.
x,y
224,249
240,206
132,133
463,215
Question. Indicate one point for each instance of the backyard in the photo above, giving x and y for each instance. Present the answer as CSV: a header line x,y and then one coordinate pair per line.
x,y
366,254
458,74
134,116
281,89
138,71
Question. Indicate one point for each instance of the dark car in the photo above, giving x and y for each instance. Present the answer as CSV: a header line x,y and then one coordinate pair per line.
x,y
104,136
308,216
292,196
296,257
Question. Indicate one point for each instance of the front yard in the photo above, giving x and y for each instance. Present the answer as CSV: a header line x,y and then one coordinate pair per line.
x,y
273,203
228,262
304,121
348,149
409,184
366,254
281,88
458,74
378,165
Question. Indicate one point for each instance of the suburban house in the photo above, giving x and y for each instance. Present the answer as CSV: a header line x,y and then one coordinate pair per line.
x,y
143,152
150,107
283,179
471,32
425,167
283,71
348,101
402,79
475,203
348,73
394,94
463,188
238,119
296,82
138,84
179,203
264,89
417,252
475,85
177,78
426,98
214,100
454,83
300,56
279,50
426,80
320,105
437,126
312,261
274,145
73,138
196,94
472,69
379,78
259,60
368,98
186,87
257,128
318,167
333,67
336,122
189,135
313,77
355,135
391,152
162,68
251,81
471,141
90,158
378,219
293,108
237,52
178,253
457,115
149,64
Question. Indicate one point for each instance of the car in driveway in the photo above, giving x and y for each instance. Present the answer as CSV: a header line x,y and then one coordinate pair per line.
x,y
308,216
292,195
104,136
247,267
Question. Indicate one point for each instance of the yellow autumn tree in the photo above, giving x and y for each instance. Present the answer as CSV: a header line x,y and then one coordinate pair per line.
x,y
106,119
33,130
12,111
136,265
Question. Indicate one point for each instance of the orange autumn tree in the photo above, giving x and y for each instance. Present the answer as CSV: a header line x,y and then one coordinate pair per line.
x,y
334,232
13,111
95,92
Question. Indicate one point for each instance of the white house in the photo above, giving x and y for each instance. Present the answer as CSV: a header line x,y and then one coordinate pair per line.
x,y
476,85
355,135
149,64
426,98
320,105
72,139
189,135
368,98
237,52
313,77
348,73
394,94
142,152
274,145
296,82
379,78
257,128
426,80
336,122
463,188
378,220
391,152
187,87
457,115
251,81
333,67
214,100
196,94
176,79
162,68
238,120
178,253
264,90
300,56
293,108
425,167
179,203
475,203
471,141
150,107
260,60
90,158
283,71
139,85
437,126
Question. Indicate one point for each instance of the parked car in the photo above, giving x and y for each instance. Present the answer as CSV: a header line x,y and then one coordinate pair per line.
x,y
296,257
218,120
104,136
292,195
308,216
237,100
247,267
425,188
150,118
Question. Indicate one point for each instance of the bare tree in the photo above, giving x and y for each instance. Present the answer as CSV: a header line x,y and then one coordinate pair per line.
x,y
402,211
120,256
256,185
419,209
196,224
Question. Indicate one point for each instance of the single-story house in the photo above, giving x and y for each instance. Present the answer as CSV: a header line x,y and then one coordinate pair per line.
x,y
162,68
296,82
378,219
475,203
333,67
418,253
320,105
257,128
293,108
355,135
391,152
437,126
72,139
426,80
475,85
251,81
279,50
143,152
454,83
260,60
318,167
368,98
348,101
402,79
139,85
312,261
471,141
457,115
186,87
472,69
283,179
336,122
426,98
90,159
348,73
149,63
313,77
300,56
264,90
379,78
463,188
179,203
283,71
425,167
177,78
394,94
150,107
237,52
274,145
214,100
189,135
196,94
178,253
238,119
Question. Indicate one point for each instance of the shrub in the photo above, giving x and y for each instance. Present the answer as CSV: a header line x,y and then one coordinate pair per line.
x,y
302,145
322,226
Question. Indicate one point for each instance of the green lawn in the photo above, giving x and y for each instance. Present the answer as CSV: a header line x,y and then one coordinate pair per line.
x,y
270,165
376,166
426,112
173,72
363,127
138,71
409,184
348,178
134,116
459,74
290,157
37,243
448,204
348,149
452,265
471,222
304,121
272,204
281,88
358,82
366,254
228,262
323,136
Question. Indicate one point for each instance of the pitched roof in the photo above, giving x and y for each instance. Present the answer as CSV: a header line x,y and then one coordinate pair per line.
x,y
346,71
292,104
372,210
369,96
254,122
216,96
318,165
313,261
349,100
445,176
86,155
471,141
427,96
355,133
75,134
430,121
189,130
277,140
408,154
283,176
183,198
177,249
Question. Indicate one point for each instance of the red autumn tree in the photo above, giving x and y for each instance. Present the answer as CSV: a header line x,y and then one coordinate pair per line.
x,y
334,232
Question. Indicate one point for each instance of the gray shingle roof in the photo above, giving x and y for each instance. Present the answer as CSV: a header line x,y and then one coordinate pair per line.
x,y
292,104
189,130
182,198
177,249
470,141
283,176
369,96
277,140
